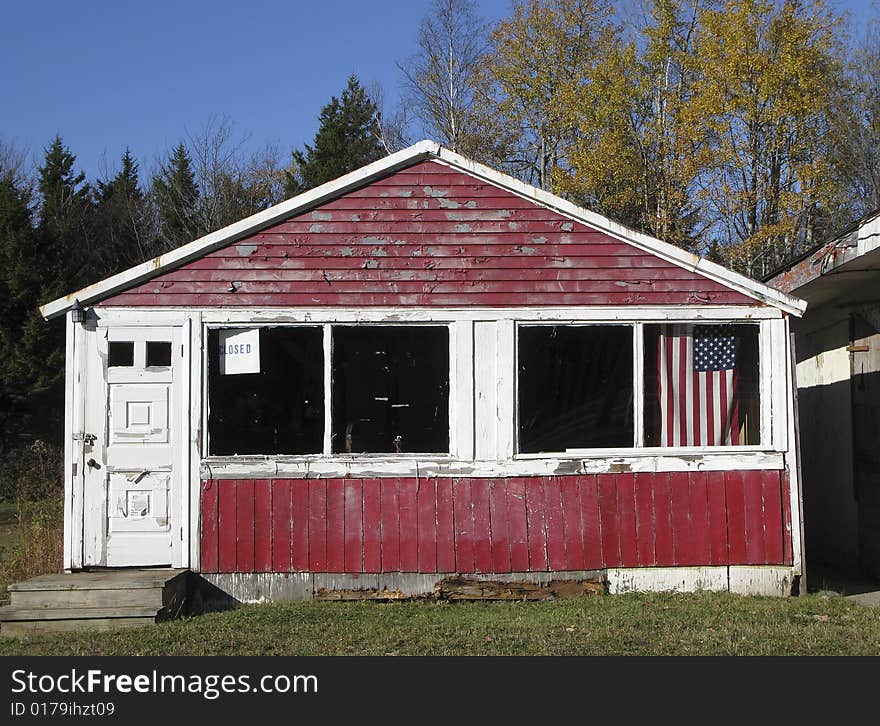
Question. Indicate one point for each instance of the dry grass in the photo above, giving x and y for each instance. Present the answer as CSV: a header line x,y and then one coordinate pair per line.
x,y
33,543
31,513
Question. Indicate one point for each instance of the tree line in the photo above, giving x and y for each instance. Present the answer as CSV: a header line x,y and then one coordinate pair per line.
x,y
742,130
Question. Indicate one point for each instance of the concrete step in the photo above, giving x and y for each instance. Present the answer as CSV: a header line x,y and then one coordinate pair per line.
x,y
94,600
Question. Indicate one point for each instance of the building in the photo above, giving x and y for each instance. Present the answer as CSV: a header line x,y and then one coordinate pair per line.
x,y
428,368
838,379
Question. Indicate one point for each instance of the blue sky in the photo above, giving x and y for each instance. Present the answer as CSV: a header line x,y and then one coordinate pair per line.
x,y
106,75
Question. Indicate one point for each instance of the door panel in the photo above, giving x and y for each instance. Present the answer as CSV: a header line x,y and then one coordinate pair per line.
x,y
133,485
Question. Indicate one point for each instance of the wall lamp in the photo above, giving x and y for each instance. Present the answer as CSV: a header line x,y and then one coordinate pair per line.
x,y
77,312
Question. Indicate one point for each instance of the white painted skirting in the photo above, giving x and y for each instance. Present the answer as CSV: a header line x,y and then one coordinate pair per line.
x,y
255,587
770,580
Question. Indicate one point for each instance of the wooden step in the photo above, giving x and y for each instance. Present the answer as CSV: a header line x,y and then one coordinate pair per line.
x,y
10,612
49,599
94,600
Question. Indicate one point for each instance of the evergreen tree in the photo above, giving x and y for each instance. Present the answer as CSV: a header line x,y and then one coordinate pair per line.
x,y
177,196
63,225
40,263
347,139
122,227
17,239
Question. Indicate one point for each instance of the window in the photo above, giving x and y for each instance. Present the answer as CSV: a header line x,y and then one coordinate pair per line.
x,y
279,409
120,354
701,385
575,387
390,389
158,353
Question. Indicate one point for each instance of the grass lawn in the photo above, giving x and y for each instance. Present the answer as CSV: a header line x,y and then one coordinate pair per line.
x,y
635,624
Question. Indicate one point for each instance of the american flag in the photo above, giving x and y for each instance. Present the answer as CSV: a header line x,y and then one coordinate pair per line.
x,y
698,384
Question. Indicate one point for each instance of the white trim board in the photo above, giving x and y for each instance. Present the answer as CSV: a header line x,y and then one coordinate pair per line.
x,y
407,157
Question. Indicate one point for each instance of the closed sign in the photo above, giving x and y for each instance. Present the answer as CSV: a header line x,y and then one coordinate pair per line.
x,y
239,351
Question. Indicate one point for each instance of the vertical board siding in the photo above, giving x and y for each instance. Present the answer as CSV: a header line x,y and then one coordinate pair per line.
x,y
473,525
428,235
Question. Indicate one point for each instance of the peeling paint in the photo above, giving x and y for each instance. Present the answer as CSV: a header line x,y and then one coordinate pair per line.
x,y
436,193
371,265
404,193
316,228
373,240
449,204
245,250
566,226
539,240
463,228
471,204
513,226
355,218
322,216
346,251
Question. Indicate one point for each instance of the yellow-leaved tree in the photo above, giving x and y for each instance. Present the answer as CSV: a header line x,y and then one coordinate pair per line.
x,y
546,53
635,142
761,96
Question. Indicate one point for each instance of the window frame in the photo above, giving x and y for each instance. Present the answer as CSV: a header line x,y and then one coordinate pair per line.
x,y
765,431
327,452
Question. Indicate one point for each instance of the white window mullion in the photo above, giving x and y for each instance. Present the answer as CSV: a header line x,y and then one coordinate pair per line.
x,y
639,384
328,390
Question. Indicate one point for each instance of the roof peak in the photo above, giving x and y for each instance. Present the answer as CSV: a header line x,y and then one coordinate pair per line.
x,y
425,149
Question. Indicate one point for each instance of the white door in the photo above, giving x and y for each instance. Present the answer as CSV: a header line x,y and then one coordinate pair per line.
x,y
133,462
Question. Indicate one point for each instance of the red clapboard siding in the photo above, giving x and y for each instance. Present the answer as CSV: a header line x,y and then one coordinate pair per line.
x,y
469,525
300,527
787,543
245,527
463,524
425,236
210,522
592,536
263,525
389,517
282,525
645,519
372,525
518,527
445,526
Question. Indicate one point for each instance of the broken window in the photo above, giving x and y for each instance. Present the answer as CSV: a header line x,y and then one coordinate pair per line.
x,y
390,389
279,409
575,387
701,385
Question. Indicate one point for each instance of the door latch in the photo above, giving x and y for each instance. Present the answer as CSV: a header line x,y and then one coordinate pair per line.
x,y
93,464
89,439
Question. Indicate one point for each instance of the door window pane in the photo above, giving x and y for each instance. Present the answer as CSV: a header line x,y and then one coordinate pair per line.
x,y
158,353
120,354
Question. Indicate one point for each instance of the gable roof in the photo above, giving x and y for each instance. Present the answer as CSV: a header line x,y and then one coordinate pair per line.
x,y
365,175
856,249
